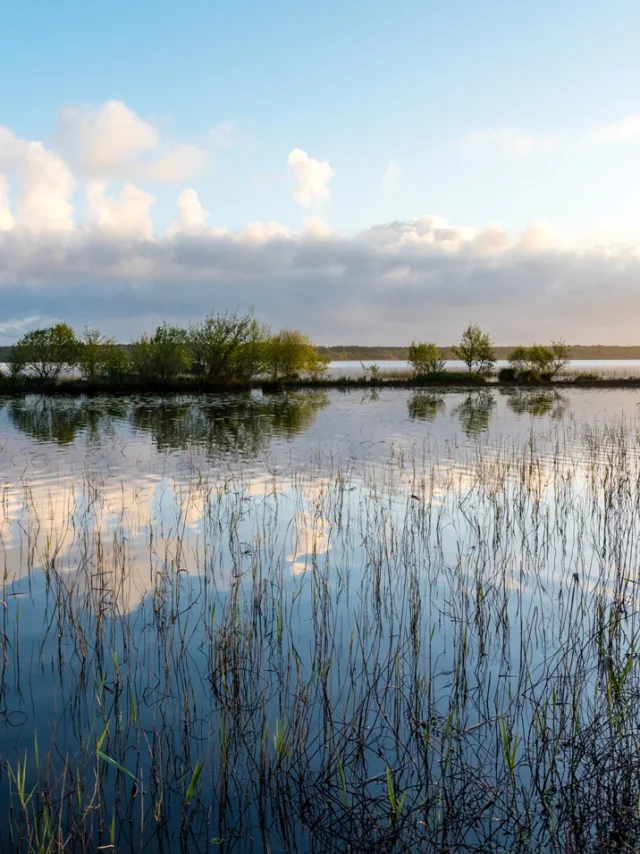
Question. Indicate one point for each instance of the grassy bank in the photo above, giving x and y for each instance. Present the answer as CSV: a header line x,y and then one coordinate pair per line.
x,y
191,385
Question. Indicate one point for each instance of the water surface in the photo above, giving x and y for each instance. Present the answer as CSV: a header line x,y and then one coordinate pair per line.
x,y
330,621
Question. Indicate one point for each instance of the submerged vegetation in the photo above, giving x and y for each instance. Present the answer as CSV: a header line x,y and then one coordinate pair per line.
x,y
430,648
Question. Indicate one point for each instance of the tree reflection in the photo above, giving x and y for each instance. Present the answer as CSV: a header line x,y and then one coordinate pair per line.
x,y
61,420
538,402
425,406
242,424
474,413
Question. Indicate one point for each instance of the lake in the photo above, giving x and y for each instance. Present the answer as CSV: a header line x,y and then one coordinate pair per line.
x,y
604,367
335,621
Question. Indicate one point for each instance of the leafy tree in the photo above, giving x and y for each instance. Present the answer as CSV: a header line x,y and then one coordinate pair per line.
x,y
116,364
99,355
162,356
46,353
228,348
476,350
561,356
539,361
425,358
290,354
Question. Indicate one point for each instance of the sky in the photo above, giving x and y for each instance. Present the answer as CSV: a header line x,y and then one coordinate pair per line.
x,y
370,173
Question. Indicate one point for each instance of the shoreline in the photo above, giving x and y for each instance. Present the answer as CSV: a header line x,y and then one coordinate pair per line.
x,y
74,388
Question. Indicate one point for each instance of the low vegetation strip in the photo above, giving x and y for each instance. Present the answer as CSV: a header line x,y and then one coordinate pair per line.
x,y
227,351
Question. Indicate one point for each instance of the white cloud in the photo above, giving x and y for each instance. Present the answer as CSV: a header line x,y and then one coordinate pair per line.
x,y
7,219
182,163
45,184
106,138
622,131
312,176
111,141
126,215
316,227
192,217
390,179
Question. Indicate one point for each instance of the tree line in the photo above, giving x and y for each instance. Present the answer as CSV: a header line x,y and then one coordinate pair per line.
x,y
223,350
537,363
231,349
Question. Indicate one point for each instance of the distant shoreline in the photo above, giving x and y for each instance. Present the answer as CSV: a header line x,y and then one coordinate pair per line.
x,y
356,353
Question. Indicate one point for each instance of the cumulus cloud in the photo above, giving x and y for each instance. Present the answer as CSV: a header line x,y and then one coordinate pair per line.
x,y
390,282
312,176
192,217
7,219
45,184
111,141
125,215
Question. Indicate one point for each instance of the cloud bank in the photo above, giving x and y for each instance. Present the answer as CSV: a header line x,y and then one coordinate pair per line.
x,y
388,284
418,278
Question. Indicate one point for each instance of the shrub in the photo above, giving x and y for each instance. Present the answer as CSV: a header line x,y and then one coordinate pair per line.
x,y
476,350
425,358
163,356
539,362
291,354
506,375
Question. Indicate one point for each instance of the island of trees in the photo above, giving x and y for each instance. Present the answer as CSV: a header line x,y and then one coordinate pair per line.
x,y
233,350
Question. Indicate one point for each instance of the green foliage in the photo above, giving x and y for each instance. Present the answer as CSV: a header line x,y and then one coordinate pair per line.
x,y
291,354
539,362
425,358
163,356
45,353
476,350
228,348
100,357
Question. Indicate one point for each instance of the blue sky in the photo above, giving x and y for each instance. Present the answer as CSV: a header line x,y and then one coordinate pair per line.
x,y
493,114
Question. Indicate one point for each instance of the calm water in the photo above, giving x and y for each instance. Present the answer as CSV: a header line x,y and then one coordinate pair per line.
x,y
603,367
336,621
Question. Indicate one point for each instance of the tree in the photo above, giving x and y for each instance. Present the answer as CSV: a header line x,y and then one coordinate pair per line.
x,y
46,352
476,350
163,356
425,358
561,356
539,362
290,354
228,348
98,355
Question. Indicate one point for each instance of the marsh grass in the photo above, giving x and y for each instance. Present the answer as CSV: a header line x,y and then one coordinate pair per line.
x,y
431,650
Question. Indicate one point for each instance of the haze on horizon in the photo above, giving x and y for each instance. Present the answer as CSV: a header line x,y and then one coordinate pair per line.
x,y
369,173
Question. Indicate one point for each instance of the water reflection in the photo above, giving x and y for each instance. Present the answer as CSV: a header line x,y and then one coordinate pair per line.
x,y
474,413
425,406
537,402
244,423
